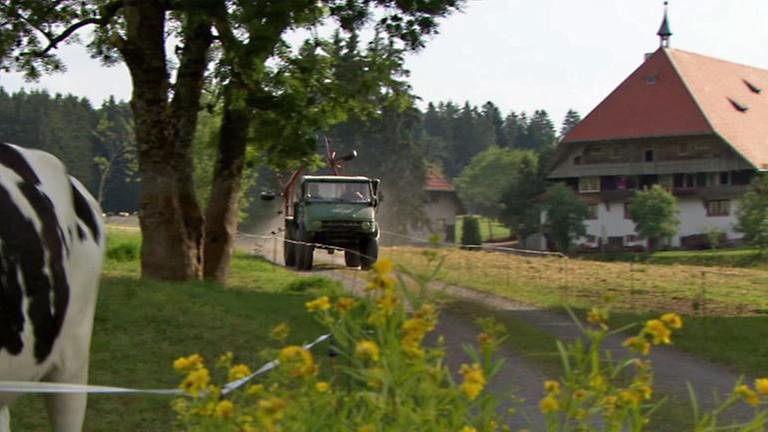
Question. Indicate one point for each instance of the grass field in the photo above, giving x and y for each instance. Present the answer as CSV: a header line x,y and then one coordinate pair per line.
x,y
141,327
739,257
726,309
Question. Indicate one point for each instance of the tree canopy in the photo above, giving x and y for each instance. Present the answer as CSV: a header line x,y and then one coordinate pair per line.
x,y
752,213
654,211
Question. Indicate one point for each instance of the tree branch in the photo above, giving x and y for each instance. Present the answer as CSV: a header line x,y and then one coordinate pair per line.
x,y
108,12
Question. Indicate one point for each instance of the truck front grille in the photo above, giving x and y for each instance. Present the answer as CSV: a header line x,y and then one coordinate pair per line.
x,y
341,225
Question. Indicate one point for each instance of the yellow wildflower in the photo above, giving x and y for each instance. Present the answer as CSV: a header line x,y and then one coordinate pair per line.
x,y
383,265
631,397
196,381
180,406
344,304
597,382
322,386
271,409
280,331
381,279
367,349
387,302
609,402
238,371
579,394
255,389
658,331
645,390
552,387
189,363
672,320
414,331
225,360
474,380
598,317
549,404
761,385
484,339
298,361
639,344
318,304
468,429
749,395
224,409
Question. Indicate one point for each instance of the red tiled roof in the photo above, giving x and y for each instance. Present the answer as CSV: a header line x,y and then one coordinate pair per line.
x,y
436,182
677,93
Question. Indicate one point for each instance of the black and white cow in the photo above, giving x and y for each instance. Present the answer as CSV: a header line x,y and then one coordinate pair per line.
x,y
51,249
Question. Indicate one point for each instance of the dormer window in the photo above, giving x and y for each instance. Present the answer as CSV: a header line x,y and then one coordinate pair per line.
x,y
650,79
739,106
754,88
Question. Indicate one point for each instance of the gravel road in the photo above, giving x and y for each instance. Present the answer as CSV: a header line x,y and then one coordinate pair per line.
x,y
673,368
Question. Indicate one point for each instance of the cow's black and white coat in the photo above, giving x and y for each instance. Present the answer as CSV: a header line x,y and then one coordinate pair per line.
x,y
51,251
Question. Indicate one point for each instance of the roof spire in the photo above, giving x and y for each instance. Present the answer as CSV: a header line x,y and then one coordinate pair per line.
x,y
664,33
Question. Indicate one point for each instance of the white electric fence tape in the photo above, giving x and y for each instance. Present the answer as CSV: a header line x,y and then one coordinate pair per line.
x,y
46,387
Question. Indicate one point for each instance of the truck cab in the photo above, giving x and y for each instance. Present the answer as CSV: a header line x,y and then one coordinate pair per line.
x,y
330,212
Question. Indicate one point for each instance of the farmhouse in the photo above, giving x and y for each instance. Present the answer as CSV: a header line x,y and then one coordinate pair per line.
x,y
695,125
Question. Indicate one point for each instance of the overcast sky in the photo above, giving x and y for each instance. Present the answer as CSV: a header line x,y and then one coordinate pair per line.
x,y
523,54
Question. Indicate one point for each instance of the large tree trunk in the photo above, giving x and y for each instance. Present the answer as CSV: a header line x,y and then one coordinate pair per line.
x,y
170,222
221,214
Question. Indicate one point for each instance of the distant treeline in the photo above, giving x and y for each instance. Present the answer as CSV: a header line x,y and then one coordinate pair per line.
x,y
97,144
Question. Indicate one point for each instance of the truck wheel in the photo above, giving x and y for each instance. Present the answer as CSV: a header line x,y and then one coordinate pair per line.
x,y
351,258
304,251
369,253
289,248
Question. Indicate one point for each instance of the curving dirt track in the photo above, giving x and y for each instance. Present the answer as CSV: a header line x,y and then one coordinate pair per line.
x,y
673,369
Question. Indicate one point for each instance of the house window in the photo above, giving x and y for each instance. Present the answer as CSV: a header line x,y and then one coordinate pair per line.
x,y
596,150
627,214
682,149
592,211
648,156
718,207
589,184
725,178
631,238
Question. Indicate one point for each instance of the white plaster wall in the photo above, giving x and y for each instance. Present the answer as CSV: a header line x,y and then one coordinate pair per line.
x,y
693,220
610,222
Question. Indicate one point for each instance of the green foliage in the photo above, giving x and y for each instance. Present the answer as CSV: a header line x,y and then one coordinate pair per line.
x,y
521,209
566,213
382,378
479,185
470,233
752,213
654,211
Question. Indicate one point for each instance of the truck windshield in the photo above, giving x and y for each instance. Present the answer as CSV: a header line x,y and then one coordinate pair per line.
x,y
338,191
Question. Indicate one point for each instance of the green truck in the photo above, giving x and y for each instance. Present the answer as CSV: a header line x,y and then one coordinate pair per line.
x,y
332,212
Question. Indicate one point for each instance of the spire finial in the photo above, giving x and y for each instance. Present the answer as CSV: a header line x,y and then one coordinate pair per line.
x,y
664,33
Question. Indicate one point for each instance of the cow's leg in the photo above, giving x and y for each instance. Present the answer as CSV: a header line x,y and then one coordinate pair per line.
x,y
5,419
66,412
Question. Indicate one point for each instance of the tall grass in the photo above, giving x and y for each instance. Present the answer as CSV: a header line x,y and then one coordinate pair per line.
x,y
142,326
